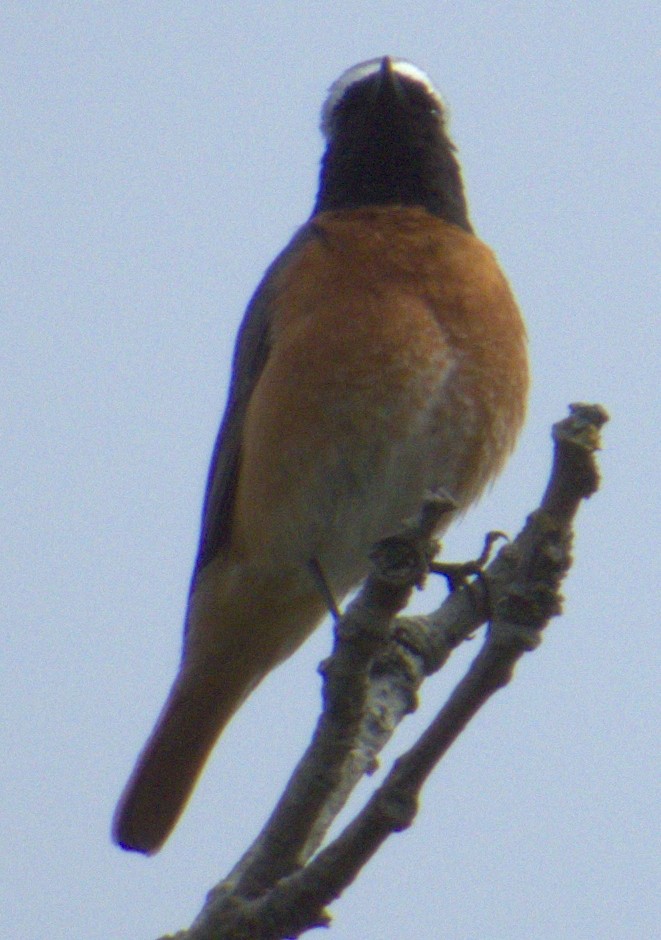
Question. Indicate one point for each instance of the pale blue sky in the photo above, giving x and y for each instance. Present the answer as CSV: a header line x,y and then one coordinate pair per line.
x,y
154,157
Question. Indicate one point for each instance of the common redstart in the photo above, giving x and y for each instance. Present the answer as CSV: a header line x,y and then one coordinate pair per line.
x,y
382,355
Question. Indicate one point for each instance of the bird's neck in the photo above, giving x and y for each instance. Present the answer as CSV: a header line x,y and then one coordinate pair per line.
x,y
373,172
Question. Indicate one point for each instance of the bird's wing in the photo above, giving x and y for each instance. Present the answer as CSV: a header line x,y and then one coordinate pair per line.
x,y
250,356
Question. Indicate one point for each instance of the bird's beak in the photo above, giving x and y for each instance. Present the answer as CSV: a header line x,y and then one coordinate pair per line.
x,y
389,86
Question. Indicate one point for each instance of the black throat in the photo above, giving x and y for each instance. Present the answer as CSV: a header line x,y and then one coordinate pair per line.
x,y
387,145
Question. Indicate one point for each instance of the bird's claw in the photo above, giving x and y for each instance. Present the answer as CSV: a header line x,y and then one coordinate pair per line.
x,y
458,573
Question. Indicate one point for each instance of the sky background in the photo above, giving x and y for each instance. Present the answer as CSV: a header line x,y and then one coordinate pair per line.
x,y
154,158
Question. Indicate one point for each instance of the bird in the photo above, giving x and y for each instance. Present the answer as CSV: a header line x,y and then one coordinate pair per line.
x,y
383,355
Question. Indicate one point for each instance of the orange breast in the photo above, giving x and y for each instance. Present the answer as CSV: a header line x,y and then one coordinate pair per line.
x,y
398,362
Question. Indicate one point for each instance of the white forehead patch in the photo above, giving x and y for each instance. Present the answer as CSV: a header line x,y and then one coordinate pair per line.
x,y
363,70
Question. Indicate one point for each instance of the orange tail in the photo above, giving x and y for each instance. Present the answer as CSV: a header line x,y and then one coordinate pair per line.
x,y
237,630
170,763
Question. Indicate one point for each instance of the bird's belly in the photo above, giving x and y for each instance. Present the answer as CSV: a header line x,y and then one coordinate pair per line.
x,y
359,495
375,442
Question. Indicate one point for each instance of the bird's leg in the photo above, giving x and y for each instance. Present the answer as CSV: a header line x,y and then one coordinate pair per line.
x,y
323,587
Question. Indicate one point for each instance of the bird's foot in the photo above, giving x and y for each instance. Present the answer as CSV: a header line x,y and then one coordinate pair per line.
x,y
458,573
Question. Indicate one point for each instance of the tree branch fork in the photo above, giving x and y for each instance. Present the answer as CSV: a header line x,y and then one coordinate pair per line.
x,y
285,881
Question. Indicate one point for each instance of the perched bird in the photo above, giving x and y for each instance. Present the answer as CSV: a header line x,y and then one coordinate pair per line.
x,y
382,355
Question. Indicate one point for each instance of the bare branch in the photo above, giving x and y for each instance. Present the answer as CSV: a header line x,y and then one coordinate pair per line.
x,y
280,889
299,821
